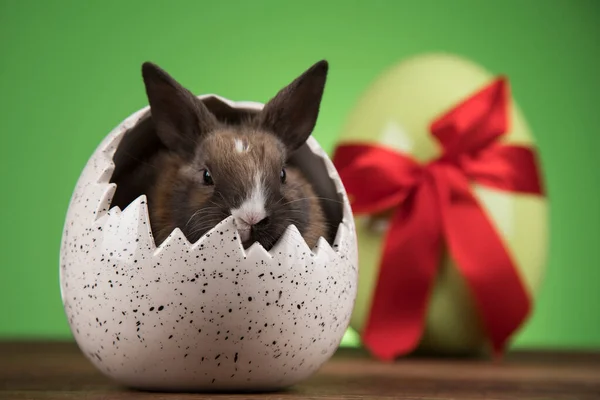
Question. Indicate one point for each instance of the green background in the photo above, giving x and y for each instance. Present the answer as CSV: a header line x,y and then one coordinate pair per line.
x,y
70,72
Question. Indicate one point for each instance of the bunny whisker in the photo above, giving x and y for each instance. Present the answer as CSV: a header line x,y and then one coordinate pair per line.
x,y
311,198
205,227
197,213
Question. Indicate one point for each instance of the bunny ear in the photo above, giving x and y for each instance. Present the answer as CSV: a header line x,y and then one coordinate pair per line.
x,y
180,119
292,113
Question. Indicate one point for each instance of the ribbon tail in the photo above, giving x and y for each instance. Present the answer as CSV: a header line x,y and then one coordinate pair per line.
x,y
406,276
482,259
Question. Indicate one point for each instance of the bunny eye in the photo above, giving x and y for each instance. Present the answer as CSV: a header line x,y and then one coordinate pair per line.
x,y
207,177
282,175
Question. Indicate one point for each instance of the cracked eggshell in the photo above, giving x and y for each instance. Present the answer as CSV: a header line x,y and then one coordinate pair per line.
x,y
200,316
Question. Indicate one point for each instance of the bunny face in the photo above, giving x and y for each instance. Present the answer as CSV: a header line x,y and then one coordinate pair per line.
x,y
239,173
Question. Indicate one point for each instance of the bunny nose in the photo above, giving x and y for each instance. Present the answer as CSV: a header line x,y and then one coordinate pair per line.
x,y
253,218
252,211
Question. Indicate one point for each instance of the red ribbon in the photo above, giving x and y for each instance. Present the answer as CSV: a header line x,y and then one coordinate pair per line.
x,y
432,204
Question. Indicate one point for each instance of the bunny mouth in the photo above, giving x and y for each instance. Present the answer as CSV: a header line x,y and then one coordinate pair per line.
x,y
244,229
244,234
250,234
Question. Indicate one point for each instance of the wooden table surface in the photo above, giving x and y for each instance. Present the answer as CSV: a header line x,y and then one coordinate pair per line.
x,y
58,371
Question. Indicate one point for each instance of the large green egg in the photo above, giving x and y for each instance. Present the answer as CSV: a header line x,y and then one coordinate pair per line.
x,y
397,110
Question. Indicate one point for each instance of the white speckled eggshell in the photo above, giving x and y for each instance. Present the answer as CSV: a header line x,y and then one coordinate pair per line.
x,y
203,316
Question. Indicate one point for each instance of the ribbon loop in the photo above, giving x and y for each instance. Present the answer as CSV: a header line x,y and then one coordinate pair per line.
x,y
475,123
509,168
374,189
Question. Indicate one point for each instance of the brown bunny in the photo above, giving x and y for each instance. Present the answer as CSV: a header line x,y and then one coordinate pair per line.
x,y
212,169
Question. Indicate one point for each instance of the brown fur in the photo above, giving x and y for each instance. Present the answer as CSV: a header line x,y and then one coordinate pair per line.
x,y
317,225
196,141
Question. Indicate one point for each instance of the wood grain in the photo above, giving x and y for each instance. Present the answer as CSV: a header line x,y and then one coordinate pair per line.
x,y
34,370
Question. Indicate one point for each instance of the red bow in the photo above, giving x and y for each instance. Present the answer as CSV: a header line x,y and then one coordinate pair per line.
x,y
433,203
